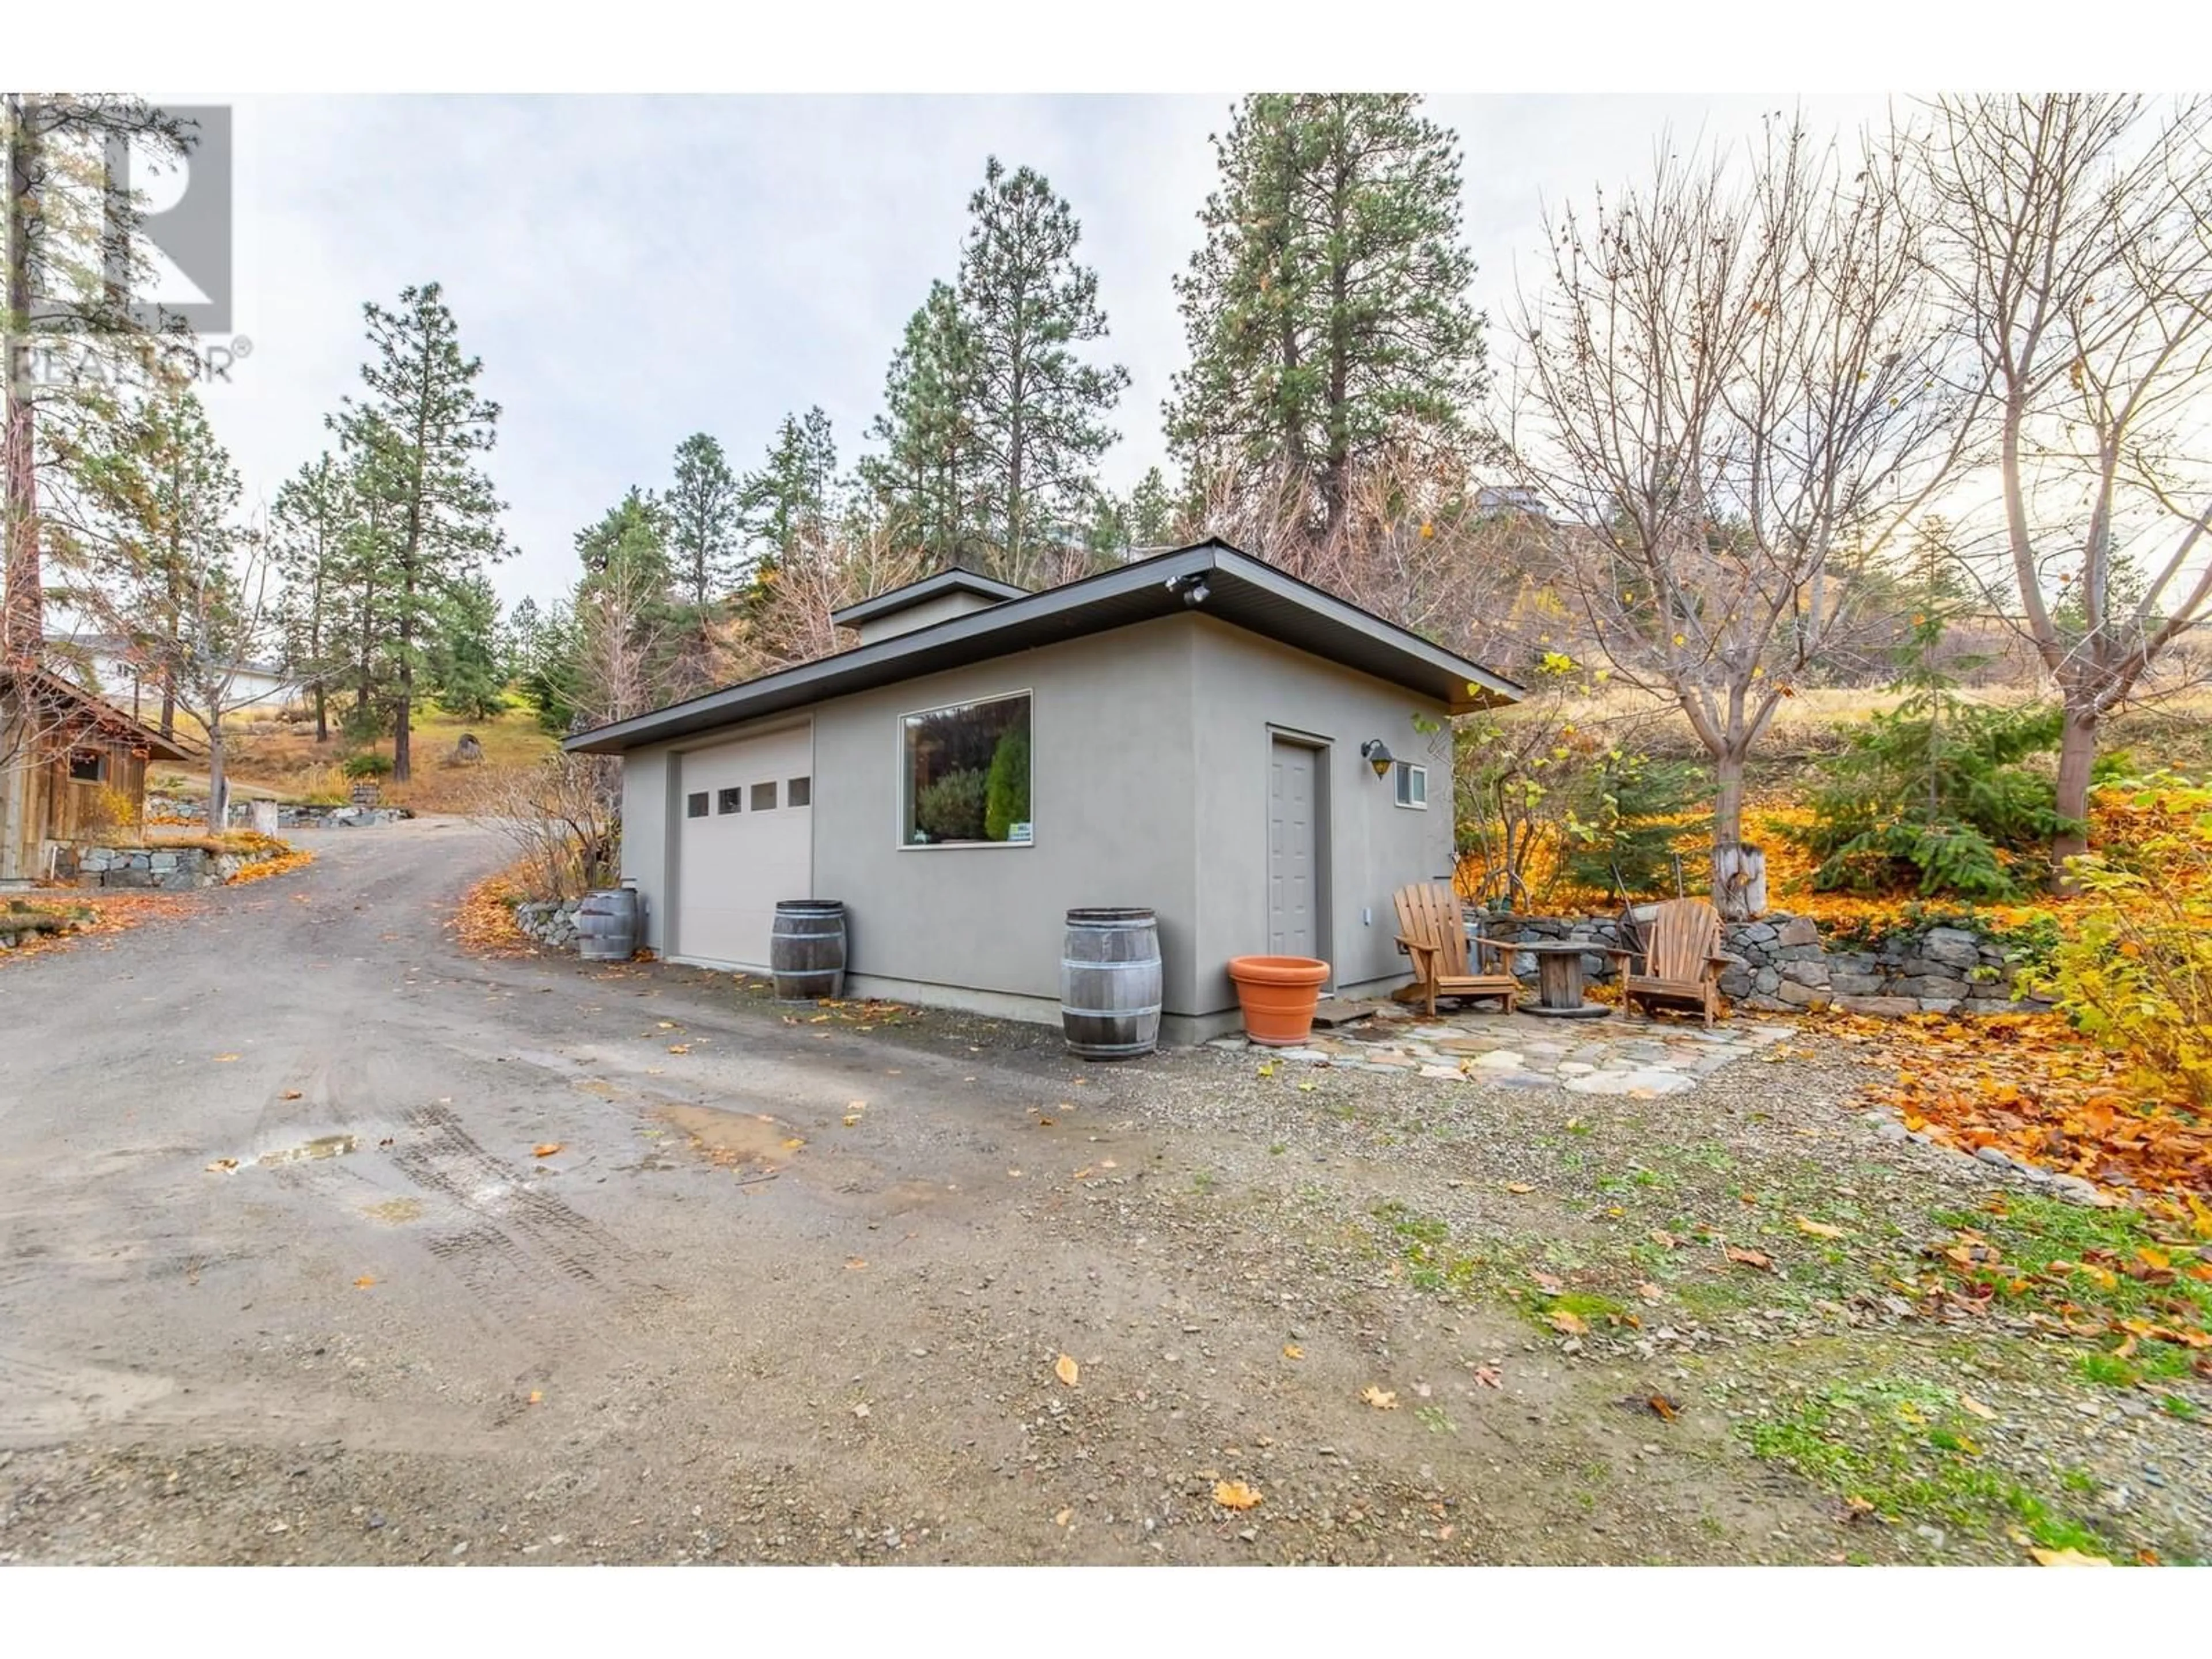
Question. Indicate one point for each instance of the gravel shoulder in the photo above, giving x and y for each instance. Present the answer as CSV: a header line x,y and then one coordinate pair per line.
x,y
796,1286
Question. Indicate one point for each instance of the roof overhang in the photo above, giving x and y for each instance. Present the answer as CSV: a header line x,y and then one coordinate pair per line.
x,y
89,714
1211,578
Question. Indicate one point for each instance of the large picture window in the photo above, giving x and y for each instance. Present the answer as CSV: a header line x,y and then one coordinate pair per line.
x,y
966,774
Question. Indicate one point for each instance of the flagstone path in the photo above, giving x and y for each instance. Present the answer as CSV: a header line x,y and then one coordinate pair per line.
x,y
1636,1057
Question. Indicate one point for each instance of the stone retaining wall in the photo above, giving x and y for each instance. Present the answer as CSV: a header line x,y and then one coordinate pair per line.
x,y
550,921
166,869
1781,962
186,808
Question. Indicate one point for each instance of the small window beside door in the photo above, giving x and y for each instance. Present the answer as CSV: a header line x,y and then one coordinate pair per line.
x,y
1412,784
800,792
730,800
764,797
87,766
695,806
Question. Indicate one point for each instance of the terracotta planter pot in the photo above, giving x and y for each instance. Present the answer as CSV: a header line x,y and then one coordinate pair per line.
x,y
1277,996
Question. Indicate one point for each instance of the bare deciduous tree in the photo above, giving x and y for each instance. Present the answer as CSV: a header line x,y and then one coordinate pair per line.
x,y
2074,243
1727,391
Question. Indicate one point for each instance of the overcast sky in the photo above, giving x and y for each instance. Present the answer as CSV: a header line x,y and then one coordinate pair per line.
x,y
634,270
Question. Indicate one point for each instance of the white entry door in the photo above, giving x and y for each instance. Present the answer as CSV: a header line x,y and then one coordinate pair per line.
x,y
745,841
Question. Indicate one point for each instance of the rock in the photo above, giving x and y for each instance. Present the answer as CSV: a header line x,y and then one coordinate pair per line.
x,y
1813,973
1879,1007
1890,1130
1939,1005
1951,947
1755,932
1765,982
1799,931
2074,1190
1933,985
1735,984
1993,1155
1933,1534
1802,996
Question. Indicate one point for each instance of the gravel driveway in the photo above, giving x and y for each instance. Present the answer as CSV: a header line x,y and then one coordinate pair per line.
x,y
324,1242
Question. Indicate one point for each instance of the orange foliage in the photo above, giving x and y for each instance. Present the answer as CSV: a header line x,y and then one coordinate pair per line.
x,y
293,858
485,921
2030,1085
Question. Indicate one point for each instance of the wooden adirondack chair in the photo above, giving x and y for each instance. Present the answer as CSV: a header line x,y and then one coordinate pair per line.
x,y
1433,929
1681,960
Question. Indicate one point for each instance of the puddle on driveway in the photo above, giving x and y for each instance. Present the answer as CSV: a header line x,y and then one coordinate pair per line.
x,y
322,1148
733,1137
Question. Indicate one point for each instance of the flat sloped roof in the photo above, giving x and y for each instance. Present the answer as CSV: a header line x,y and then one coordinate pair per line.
x,y
1238,589
929,587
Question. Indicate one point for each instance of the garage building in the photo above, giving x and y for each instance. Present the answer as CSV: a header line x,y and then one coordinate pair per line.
x,y
1258,762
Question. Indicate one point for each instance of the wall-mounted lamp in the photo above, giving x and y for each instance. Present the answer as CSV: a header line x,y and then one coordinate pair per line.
x,y
1192,588
1376,753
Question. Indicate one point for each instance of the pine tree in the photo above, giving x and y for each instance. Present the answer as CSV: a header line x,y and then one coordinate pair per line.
x,y
792,495
66,238
1326,312
464,669
434,427
308,526
518,639
365,577
925,481
1039,411
703,521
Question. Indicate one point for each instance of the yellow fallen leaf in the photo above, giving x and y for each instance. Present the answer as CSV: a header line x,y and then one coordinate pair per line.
x,y
667,1025
1976,1406
1649,1292
537,1396
224,1060
1066,1370
856,1105
854,1263
289,1094
545,1149
364,1281
223,1166
1570,1324
679,1047
793,1142
1063,1517
2067,1558
1518,1186
1818,1229
1235,1495
1383,1400
851,1119
1292,1351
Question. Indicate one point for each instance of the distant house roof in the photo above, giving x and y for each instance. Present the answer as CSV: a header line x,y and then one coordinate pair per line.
x,y
921,593
1211,576
83,712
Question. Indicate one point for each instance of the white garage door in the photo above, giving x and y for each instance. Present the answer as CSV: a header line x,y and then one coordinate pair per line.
x,y
746,841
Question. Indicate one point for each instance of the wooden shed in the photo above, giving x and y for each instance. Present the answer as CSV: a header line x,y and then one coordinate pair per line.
x,y
71,765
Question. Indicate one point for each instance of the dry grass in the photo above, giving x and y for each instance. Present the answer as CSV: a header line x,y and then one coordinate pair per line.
x,y
282,761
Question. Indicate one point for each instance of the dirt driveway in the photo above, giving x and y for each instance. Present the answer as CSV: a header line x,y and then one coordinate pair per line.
x,y
326,1241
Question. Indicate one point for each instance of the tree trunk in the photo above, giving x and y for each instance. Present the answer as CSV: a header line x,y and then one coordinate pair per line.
x,y
21,623
1739,871
218,812
2077,753
322,714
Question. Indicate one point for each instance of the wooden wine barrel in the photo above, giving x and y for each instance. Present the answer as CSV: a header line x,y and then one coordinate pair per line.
x,y
606,925
1109,983
806,950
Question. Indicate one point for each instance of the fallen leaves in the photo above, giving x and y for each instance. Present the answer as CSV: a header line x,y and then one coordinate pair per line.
x,y
2067,1558
1292,1351
1663,1407
1519,1186
289,1094
485,921
1757,1259
1818,1229
1976,1406
224,1060
1567,1324
364,1281
1066,1370
1236,1495
223,1166
545,1149
1486,1376
1382,1400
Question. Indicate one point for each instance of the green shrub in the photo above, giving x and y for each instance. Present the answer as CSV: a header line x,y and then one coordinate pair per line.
x,y
364,722
952,809
1006,788
1627,813
367,764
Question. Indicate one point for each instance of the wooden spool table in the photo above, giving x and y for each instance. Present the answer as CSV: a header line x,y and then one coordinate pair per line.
x,y
1559,977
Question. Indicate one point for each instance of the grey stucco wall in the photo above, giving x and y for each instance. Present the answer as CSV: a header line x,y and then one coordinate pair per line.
x,y
1110,798
1150,748
1246,689
648,780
